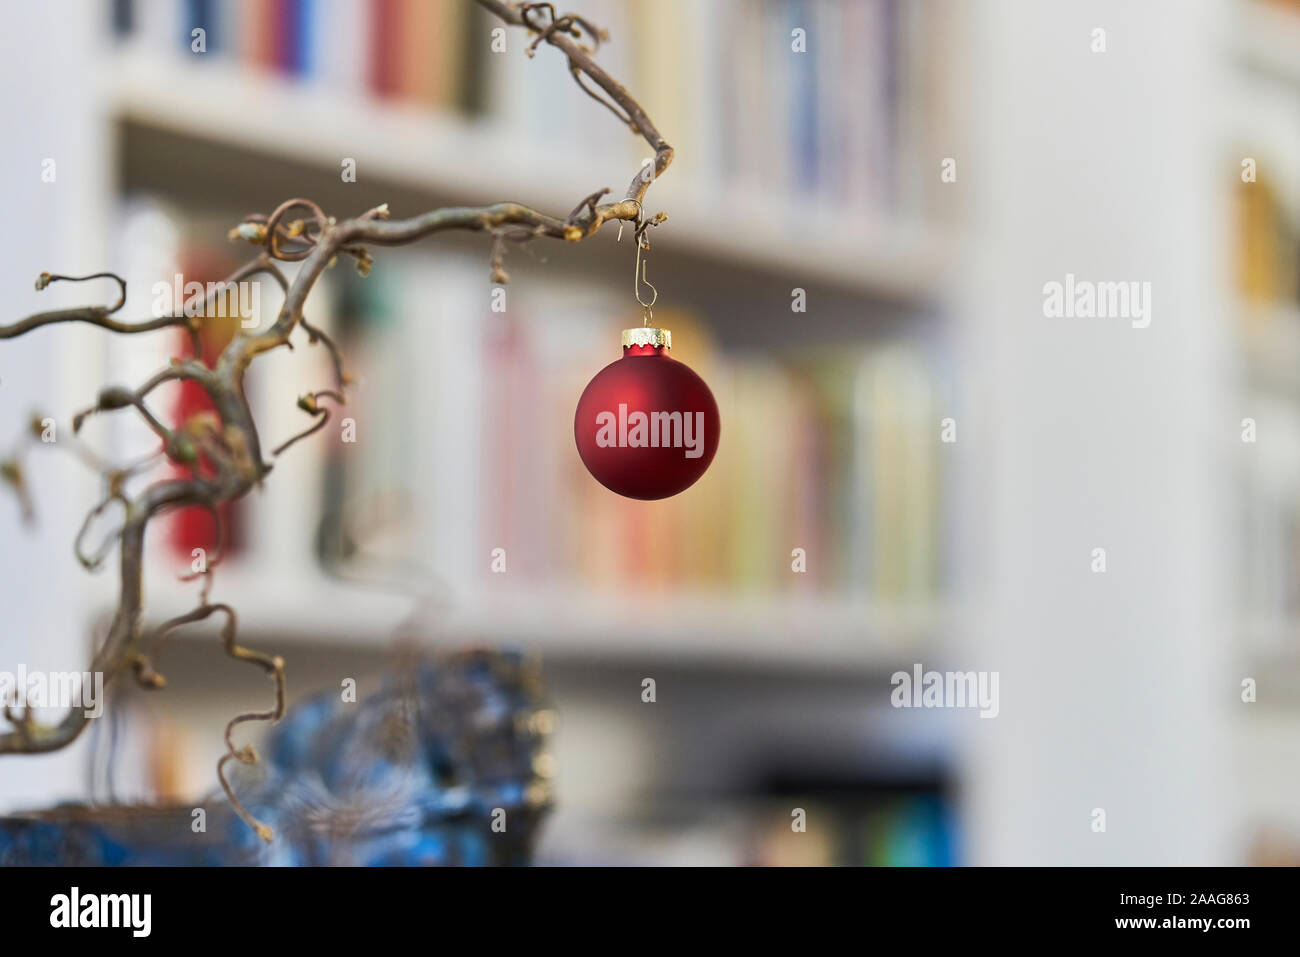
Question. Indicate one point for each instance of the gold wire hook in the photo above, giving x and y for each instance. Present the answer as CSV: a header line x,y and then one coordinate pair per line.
x,y
638,271
623,222
638,279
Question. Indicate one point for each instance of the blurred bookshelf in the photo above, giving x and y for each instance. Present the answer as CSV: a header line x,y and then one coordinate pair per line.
x,y
449,466
786,175
411,147
827,187
1266,259
288,88
726,205
319,90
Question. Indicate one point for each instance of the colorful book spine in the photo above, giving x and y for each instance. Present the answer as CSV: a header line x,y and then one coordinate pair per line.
x,y
385,37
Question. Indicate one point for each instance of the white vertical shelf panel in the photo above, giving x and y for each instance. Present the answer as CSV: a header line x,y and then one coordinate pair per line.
x,y
51,111
1115,687
448,303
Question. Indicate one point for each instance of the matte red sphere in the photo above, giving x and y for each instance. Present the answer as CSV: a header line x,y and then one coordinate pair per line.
x,y
646,425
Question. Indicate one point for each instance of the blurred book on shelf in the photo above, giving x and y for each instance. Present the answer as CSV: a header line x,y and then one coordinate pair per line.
x,y
873,831
1268,244
202,265
1273,846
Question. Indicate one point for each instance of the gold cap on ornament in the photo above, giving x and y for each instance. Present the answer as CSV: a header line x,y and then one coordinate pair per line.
x,y
644,336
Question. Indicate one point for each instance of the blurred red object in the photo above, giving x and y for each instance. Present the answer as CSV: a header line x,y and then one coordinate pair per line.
x,y
193,528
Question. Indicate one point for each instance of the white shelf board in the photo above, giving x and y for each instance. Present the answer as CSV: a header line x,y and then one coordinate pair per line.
x,y
309,609
785,632
453,156
303,606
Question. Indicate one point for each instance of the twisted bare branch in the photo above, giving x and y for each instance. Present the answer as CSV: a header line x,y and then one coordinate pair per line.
x,y
222,451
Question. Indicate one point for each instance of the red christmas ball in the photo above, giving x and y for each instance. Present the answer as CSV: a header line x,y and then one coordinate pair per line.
x,y
646,425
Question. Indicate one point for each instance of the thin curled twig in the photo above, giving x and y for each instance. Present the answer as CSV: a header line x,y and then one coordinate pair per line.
x,y
95,561
310,403
577,75
273,665
46,278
